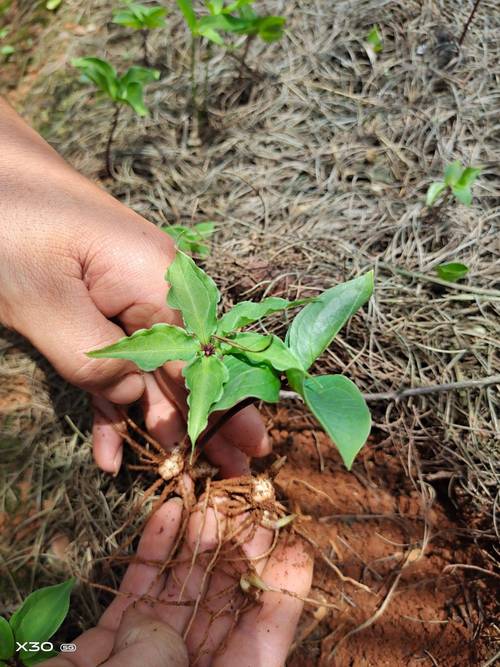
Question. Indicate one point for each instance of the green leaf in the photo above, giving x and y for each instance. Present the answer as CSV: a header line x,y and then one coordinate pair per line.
x,y
128,19
99,72
6,640
190,239
261,349
247,312
271,28
132,94
205,229
464,195
52,4
155,17
215,6
41,614
140,75
195,294
37,658
468,177
151,348
374,39
452,173
205,378
186,7
452,271
341,410
246,379
316,325
435,189
7,50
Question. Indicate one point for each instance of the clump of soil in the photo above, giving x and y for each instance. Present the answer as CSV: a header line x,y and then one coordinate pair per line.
x,y
374,526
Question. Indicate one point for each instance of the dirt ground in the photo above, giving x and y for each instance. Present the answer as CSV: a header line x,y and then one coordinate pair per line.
x,y
314,168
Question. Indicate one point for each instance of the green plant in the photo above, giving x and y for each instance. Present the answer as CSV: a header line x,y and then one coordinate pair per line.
x,y
191,239
52,5
452,271
226,366
34,623
127,89
374,40
237,17
457,181
6,50
140,17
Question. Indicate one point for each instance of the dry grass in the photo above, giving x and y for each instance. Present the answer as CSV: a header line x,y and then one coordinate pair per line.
x,y
321,174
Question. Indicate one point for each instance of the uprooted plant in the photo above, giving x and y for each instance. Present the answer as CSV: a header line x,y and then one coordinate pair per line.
x,y
127,89
226,369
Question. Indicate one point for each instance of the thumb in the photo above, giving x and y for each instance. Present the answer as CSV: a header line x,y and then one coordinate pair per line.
x,y
64,329
146,641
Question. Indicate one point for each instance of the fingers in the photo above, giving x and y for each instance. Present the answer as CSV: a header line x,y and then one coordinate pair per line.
x,y
142,579
230,461
163,420
265,633
146,641
71,325
247,432
106,441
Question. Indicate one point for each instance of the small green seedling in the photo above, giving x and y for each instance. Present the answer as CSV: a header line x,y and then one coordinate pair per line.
x,y
192,239
374,40
237,17
52,5
122,90
34,623
452,271
457,181
140,17
6,50
226,365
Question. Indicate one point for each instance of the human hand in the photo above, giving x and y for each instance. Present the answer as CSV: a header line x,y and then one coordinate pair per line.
x,y
78,270
147,624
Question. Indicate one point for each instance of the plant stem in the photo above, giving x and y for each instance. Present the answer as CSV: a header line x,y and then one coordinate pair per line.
x,y
208,435
144,34
109,163
193,75
243,63
468,22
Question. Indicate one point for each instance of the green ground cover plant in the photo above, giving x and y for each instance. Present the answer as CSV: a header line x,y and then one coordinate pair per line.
x,y
227,366
142,18
127,89
26,634
457,182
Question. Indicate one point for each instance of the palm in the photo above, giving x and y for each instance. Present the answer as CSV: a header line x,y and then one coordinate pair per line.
x,y
221,626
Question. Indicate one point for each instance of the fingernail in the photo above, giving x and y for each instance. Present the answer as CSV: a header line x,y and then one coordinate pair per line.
x,y
117,461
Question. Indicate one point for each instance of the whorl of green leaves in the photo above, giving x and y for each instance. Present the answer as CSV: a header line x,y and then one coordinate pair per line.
x,y
456,179
234,18
226,365
140,17
127,89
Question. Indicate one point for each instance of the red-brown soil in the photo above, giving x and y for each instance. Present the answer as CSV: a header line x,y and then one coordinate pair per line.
x,y
372,524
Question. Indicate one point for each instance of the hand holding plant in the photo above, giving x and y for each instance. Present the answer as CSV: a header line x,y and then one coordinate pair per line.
x,y
226,366
78,270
